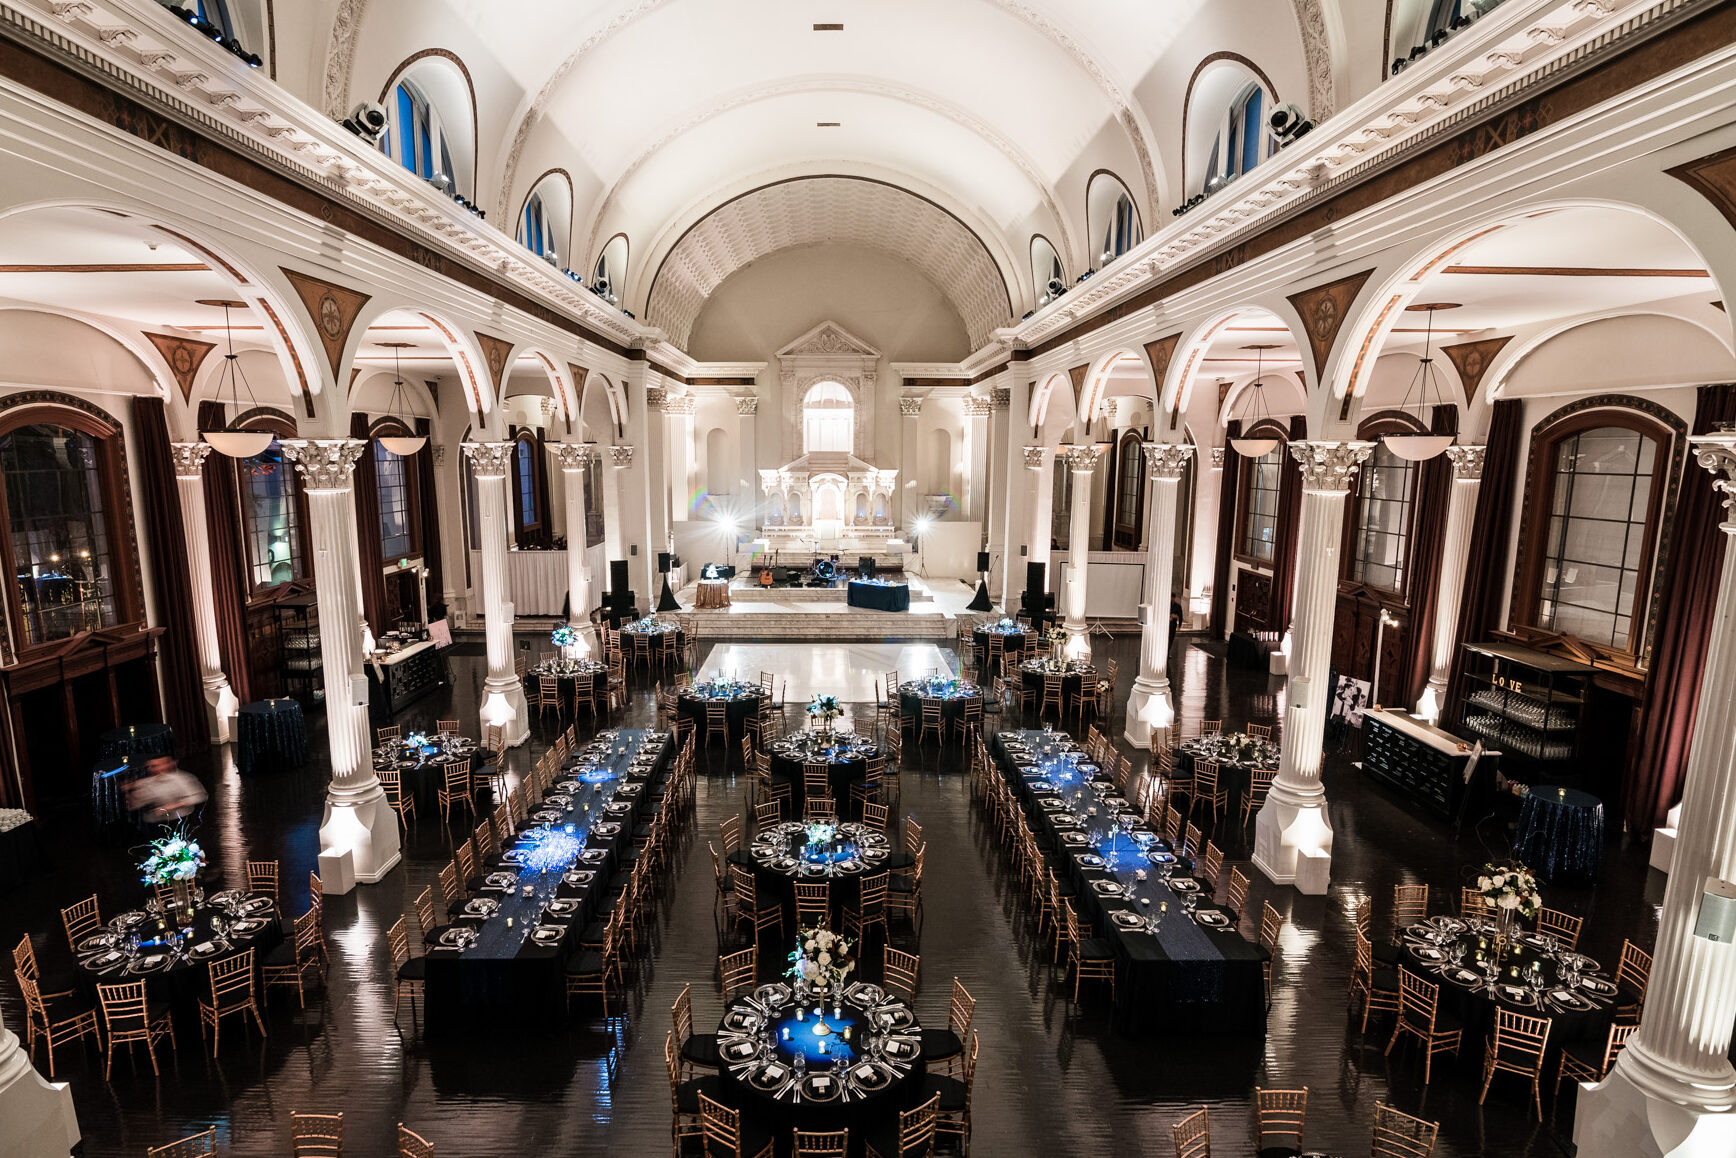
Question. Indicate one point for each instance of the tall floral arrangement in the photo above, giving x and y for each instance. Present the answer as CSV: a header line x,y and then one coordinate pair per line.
x,y
825,710
174,856
1512,889
821,959
566,635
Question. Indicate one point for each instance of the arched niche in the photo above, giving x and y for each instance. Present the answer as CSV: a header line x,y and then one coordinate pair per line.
x,y
1224,114
1112,222
430,103
1046,269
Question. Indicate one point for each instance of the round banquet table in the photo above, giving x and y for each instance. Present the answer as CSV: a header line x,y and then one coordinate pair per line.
x,y
251,923
877,595
1013,641
741,702
423,766
780,855
885,1047
952,696
1073,677
1560,834
1580,1012
846,754
137,740
585,678
712,593
272,732
1234,771
631,634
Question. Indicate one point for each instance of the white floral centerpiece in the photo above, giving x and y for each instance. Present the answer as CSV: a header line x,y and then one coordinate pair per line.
x,y
820,963
1512,890
1056,638
174,859
825,710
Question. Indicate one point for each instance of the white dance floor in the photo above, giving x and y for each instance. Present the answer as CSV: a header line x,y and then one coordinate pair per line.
x,y
845,670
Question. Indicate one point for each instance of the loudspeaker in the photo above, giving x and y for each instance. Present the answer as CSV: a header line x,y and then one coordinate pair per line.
x,y
1717,919
1036,578
618,580
865,565
663,562
982,561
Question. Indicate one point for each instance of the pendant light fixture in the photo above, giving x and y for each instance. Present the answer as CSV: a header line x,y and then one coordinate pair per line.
x,y
400,444
1420,446
226,439
1254,410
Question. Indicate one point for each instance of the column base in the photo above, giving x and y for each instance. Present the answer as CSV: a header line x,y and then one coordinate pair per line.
x,y
503,706
1150,715
220,708
1664,841
1293,843
39,1116
358,840
1624,1116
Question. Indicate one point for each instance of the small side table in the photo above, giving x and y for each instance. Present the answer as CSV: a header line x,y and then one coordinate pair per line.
x,y
270,732
1560,834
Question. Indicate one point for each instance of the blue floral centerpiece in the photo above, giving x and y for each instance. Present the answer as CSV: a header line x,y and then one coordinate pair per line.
x,y
825,710
174,860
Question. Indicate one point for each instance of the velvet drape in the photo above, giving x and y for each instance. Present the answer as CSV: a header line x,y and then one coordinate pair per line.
x,y
1481,611
429,503
229,584
1226,531
1423,583
368,556
183,689
1289,529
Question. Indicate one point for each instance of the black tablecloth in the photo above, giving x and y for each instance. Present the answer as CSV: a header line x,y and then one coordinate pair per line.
x,y
591,684
1232,774
1244,650
1012,642
185,980
1560,834
845,770
506,982
1071,682
878,596
423,773
270,732
773,878
21,855
1187,979
692,705
136,742
951,707
654,642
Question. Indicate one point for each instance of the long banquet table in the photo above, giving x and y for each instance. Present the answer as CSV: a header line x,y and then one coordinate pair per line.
x,y
1186,979
507,980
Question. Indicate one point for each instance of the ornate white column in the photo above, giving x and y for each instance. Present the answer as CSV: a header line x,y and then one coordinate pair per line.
x,y
1081,460
1455,553
220,701
976,459
38,1115
911,484
1041,462
1000,482
683,481
1673,1091
502,695
1292,834
1150,711
359,831
747,458
575,459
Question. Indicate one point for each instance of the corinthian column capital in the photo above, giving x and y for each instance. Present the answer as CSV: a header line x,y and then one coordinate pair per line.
x,y
620,457
1467,461
573,455
325,464
1081,459
1330,467
490,459
1034,457
1165,460
189,458
1717,453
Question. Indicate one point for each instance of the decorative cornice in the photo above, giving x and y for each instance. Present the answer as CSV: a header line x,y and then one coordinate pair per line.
x,y
1330,467
573,455
747,405
1081,459
910,406
490,459
1717,453
1165,461
1034,457
1467,461
1217,458
324,464
620,457
189,458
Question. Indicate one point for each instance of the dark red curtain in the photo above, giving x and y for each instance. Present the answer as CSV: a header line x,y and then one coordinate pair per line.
x,y
1423,584
1659,757
1289,526
229,585
1226,531
429,502
368,528
1481,611
183,691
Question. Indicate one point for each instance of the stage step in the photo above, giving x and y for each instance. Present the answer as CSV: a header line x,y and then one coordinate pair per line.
x,y
818,621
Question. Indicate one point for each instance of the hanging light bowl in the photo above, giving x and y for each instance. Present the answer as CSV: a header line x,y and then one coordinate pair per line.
x,y
1417,446
401,445
238,443
1255,447
225,439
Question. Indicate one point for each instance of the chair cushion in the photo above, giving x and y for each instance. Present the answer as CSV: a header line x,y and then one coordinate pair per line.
x,y
283,955
701,1049
434,934
1279,1152
1386,954
687,1093
902,885
66,1008
56,983
940,1043
585,964
415,969
1095,949
1386,981
593,934
953,1093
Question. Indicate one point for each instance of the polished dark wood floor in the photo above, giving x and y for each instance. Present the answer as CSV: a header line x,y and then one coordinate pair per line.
x,y
1054,1080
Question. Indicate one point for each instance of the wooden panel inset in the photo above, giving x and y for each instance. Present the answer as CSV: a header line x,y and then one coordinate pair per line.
x,y
1323,310
333,309
184,356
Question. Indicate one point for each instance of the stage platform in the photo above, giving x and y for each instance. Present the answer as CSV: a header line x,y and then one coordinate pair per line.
x,y
820,613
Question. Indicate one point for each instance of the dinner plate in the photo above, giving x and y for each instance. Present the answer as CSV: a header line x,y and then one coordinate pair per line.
x,y
772,996
769,1077
618,807
102,960
1428,953
1041,786
1598,986
481,907
743,1021
1127,919
606,828
579,877
96,942
1091,860
1105,888
739,1051
205,949
548,934
546,816
501,880
229,898
1161,857
868,1076
561,908
821,1088
862,995
901,1048
151,964
594,855
256,905
1212,919
1184,885
458,937
893,1018
1534,940
1075,838
251,925
1565,998
126,921
1460,975
1517,994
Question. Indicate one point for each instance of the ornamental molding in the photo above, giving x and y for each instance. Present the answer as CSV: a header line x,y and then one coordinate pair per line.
x,y
189,458
678,406
975,407
748,405
439,456
1034,457
1165,461
1329,468
910,406
1217,458
1717,453
1081,459
656,398
620,457
572,455
829,353
1467,461
1001,399
324,464
490,459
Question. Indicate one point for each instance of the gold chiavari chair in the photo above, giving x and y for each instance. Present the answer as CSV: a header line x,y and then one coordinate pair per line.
x,y
589,971
446,727
289,963
128,1018
729,832
455,787
1210,868
425,918
201,1145
316,1135
1583,1062
1211,727
1259,786
820,1143
1279,1116
409,974
725,1136
549,697
817,779
717,723
1172,827
915,1135
392,784
737,972
232,991
820,808
1193,1135
412,1144
1562,926
876,816
1271,925
698,1050
1376,986
933,720
262,878
945,1047
1516,1047
1472,903
683,1098
813,904
1089,959
1237,898
766,814
24,963
904,899
870,907
1410,904
952,1117
1191,844
762,913
725,898
1419,1016
1259,731
1208,789
65,1019
80,921
1632,973
1398,1135
451,887
899,972
387,734
1052,695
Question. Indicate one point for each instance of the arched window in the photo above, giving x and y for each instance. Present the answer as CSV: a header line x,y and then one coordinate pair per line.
x,y
1123,232
394,485
609,275
66,525
527,490
1418,25
1257,506
416,137
1380,520
1243,139
271,518
537,232
828,419
1597,485
1129,503
1046,271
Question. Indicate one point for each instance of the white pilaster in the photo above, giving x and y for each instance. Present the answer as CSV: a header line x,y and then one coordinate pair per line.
x,y
678,429
1673,1092
747,459
1040,460
1455,553
976,458
359,831
1150,711
575,459
502,695
910,490
220,701
1081,460
37,1119
1000,483
1292,834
